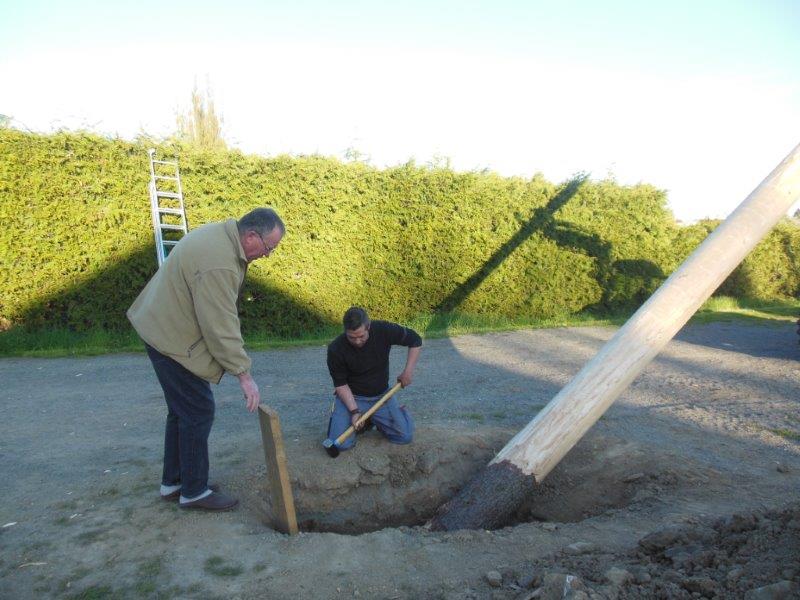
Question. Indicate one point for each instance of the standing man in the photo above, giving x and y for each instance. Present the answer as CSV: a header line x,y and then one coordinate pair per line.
x,y
358,361
188,317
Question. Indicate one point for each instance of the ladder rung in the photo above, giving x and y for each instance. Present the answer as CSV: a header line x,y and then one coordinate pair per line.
x,y
167,194
168,242
171,227
166,177
165,162
170,211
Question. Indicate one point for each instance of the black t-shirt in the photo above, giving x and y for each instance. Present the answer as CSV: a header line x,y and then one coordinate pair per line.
x,y
366,369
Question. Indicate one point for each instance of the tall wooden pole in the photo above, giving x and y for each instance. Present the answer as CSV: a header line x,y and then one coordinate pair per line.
x,y
495,493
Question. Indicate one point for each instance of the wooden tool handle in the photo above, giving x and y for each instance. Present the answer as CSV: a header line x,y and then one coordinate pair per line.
x,y
349,431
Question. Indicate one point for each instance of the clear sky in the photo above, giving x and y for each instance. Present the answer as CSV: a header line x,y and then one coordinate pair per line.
x,y
700,98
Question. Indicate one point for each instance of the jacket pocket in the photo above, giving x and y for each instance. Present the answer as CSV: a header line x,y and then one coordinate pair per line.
x,y
192,347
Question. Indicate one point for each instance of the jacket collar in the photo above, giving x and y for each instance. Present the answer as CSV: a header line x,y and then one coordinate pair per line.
x,y
233,234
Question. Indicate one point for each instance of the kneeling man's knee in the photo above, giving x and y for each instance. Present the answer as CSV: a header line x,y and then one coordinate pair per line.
x,y
404,438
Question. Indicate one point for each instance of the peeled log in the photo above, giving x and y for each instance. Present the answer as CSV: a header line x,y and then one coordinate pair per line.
x,y
491,498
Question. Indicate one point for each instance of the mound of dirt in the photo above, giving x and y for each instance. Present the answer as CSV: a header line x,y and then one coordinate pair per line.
x,y
603,473
751,555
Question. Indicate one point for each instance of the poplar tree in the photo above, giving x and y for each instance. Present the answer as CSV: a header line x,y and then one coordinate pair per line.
x,y
201,126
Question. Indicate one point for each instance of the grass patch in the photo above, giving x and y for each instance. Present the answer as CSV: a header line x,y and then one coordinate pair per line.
x,y
95,592
111,492
147,573
36,546
79,573
91,536
47,343
787,434
235,460
757,312
151,567
56,343
145,589
437,326
62,342
474,417
143,486
76,575
218,566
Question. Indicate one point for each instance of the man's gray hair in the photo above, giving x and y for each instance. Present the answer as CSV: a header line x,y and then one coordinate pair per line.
x,y
260,220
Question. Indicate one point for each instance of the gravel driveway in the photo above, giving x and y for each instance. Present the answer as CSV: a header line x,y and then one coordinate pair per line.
x,y
713,424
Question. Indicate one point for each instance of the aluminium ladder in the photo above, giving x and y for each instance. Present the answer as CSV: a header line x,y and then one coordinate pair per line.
x,y
167,209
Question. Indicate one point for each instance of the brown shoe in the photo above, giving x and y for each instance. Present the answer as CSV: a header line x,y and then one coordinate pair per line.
x,y
176,495
214,501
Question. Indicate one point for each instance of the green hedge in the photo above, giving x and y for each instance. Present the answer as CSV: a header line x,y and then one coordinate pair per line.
x,y
770,271
77,242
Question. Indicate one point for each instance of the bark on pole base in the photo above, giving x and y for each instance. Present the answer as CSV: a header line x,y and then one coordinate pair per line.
x,y
492,497
487,502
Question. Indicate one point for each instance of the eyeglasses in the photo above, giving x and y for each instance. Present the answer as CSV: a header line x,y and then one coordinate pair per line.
x,y
267,249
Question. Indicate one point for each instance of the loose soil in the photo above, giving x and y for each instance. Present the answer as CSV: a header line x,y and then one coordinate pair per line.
x,y
687,487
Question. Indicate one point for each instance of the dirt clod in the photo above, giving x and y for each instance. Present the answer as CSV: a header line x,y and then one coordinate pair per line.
x,y
494,579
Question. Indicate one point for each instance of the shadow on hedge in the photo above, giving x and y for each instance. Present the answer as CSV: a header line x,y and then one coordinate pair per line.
x,y
625,283
100,302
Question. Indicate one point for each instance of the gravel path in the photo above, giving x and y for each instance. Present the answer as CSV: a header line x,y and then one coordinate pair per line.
x,y
713,423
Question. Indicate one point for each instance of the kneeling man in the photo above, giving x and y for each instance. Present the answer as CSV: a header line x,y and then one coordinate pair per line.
x,y
358,361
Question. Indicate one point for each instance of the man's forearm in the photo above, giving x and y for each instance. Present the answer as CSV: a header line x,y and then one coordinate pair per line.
x,y
411,359
407,376
345,394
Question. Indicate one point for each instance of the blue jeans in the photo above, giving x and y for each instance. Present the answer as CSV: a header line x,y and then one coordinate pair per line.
x,y
393,422
190,414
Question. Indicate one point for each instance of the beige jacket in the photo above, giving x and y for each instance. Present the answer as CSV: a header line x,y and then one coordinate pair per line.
x,y
188,310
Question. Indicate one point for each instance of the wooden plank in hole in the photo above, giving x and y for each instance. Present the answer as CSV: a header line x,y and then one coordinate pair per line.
x,y
277,474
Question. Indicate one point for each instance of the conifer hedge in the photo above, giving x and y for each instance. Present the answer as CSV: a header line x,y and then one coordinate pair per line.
x,y
77,241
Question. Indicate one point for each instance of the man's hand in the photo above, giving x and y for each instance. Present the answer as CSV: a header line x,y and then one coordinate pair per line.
x,y
354,421
345,395
405,378
250,391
